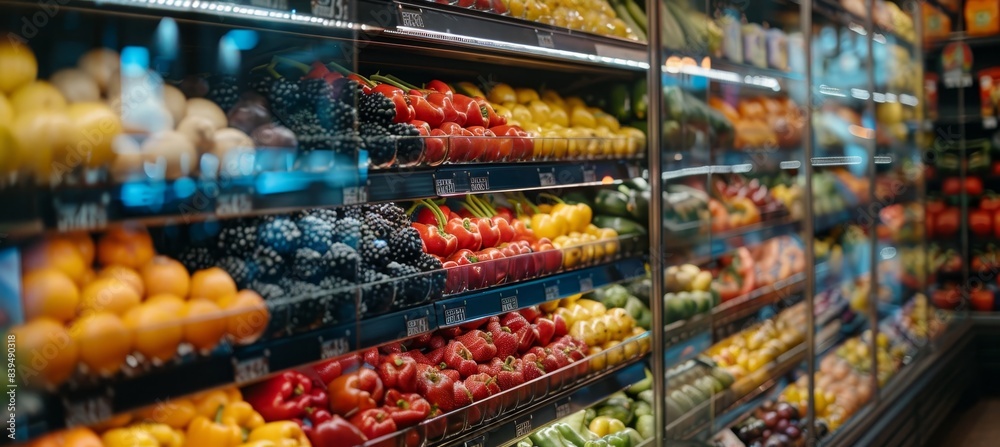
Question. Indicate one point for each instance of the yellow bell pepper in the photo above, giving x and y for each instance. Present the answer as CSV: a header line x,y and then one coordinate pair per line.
x,y
208,403
176,413
547,225
213,432
283,434
242,415
144,435
604,425
595,307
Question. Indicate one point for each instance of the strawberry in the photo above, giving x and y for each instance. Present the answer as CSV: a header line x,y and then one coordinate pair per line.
x,y
417,356
575,353
392,348
550,362
503,339
546,330
481,386
372,357
421,341
511,373
560,325
533,368
399,372
451,373
458,357
526,338
435,357
480,344
437,341
461,395
539,352
514,321
562,359
437,388
530,313
493,368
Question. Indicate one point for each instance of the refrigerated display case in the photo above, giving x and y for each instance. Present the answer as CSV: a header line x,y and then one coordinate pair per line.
x,y
463,223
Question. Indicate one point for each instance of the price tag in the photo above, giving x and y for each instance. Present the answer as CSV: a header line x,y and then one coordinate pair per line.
x,y
478,442
545,40
454,315
82,215
990,122
522,428
586,284
330,9
412,19
334,348
633,171
251,369
552,292
233,204
270,4
589,175
88,411
480,184
355,194
563,408
508,304
546,178
418,326
444,186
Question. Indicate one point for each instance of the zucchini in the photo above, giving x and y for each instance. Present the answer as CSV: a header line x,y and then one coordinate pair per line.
x,y
611,202
637,14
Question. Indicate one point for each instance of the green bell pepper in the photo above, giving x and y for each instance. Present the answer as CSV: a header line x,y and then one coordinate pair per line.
x,y
588,416
615,296
611,202
642,385
645,426
642,409
646,396
547,437
639,312
620,439
571,435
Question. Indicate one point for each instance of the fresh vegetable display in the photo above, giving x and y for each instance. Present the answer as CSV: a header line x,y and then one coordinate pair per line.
x,y
692,383
689,292
751,349
762,122
748,269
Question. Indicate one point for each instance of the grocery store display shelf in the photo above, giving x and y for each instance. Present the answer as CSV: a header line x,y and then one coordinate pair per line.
x,y
729,240
686,339
762,160
82,404
834,11
743,306
188,199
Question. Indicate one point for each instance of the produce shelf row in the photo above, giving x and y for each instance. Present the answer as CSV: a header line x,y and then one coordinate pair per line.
x,y
91,402
190,200
702,250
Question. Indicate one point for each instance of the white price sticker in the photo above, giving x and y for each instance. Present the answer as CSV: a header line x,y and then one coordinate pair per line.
x,y
454,315
233,204
546,178
82,216
563,409
545,40
334,348
589,175
552,292
251,369
88,411
479,184
444,186
522,428
417,326
355,194
508,304
586,284
411,19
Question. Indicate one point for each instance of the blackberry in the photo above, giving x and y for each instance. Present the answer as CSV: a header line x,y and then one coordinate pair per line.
x,y
333,115
304,305
343,261
309,131
317,234
260,83
267,290
223,90
381,145
238,238
409,145
377,225
309,265
392,213
338,301
243,272
347,92
196,258
437,279
279,233
347,231
376,108
377,293
285,97
375,252
270,264
412,288
406,245
354,211
347,143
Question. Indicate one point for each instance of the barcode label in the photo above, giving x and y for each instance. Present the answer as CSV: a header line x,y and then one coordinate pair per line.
x,y
88,411
355,194
508,304
563,409
522,428
479,184
82,216
233,205
417,326
251,369
334,348
551,292
454,315
412,19
545,40
586,284
546,178
589,175
444,186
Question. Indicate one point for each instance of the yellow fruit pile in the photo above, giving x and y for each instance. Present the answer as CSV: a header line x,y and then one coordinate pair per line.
x,y
602,330
134,302
566,127
595,16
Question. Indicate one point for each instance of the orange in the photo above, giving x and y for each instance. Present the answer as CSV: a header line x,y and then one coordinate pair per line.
x,y
104,341
75,437
170,304
156,333
131,247
109,294
212,284
165,275
88,277
85,245
176,413
49,293
46,349
58,253
204,324
131,277
248,316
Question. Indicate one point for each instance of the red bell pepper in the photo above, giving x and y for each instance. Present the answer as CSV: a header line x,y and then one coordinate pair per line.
x,y
404,110
425,111
442,87
503,227
990,202
398,371
480,344
290,395
947,222
981,222
447,108
317,71
437,388
436,240
374,423
492,119
459,358
480,149
547,258
406,409
326,429
459,141
466,232
354,392
475,113
496,266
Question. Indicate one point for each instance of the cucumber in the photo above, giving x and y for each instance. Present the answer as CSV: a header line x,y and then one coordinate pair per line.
x,y
637,14
623,14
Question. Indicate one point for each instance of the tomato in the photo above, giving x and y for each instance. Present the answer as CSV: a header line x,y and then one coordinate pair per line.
x,y
981,222
982,299
952,262
973,186
996,223
946,298
946,223
951,186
